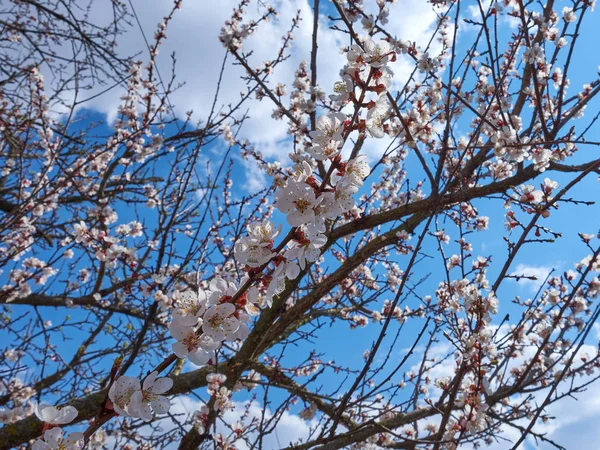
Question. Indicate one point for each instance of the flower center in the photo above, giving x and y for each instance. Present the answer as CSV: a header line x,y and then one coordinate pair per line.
x,y
302,204
148,396
191,306
339,87
191,341
217,321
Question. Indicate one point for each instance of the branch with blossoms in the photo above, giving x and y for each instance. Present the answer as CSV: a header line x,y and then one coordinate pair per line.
x,y
136,234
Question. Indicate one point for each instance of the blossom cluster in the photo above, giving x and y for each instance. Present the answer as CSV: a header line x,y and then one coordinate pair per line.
x,y
205,318
19,395
54,438
132,143
130,398
309,198
318,192
235,31
221,399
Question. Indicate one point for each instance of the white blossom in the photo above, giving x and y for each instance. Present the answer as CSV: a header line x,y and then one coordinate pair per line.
x,y
54,440
55,416
150,397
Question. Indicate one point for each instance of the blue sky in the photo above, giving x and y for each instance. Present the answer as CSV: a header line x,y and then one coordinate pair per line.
x,y
198,23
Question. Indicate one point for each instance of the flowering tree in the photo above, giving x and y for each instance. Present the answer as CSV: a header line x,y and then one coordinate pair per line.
x,y
137,279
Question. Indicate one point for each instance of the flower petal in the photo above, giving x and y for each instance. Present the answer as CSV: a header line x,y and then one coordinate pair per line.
x,y
161,405
149,381
135,404
162,385
49,414
53,436
226,309
67,415
180,350
74,439
40,445
199,357
218,284
146,412
242,332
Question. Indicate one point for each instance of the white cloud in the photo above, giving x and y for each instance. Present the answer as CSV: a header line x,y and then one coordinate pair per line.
x,y
290,428
193,37
573,419
573,425
539,272
255,177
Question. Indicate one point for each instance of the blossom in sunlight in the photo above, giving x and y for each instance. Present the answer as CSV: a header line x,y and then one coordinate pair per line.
x,y
150,397
338,202
534,54
376,116
356,171
190,305
298,201
329,128
54,440
306,248
220,322
375,53
255,249
453,261
199,349
121,391
11,415
55,416
568,14
220,290
342,90
252,256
